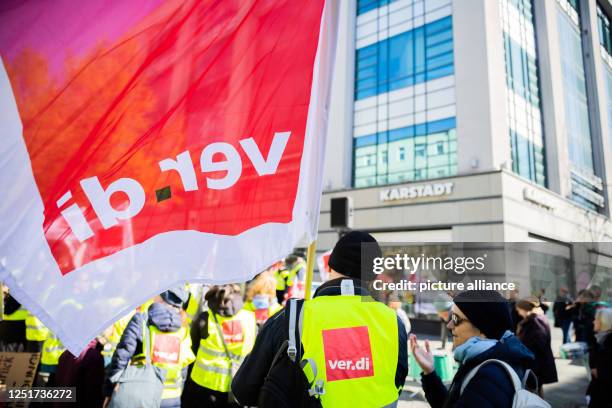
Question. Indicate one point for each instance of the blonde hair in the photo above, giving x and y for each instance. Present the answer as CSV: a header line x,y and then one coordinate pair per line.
x,y
264,284
605,318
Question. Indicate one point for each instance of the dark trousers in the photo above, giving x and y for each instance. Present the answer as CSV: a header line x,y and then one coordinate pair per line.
x,y
34,346
280,296
443,332
565,328
196,396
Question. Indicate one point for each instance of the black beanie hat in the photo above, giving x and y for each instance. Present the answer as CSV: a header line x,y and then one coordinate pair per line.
x,y
487,310
348,259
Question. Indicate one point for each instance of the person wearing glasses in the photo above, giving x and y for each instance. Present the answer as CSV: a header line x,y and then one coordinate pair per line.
x,y
481,326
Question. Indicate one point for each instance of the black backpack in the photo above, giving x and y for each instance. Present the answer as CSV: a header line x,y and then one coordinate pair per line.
x,y
286,385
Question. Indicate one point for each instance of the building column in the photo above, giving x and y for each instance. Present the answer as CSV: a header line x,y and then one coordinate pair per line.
x,y
339,145
483,140
552,96
597,98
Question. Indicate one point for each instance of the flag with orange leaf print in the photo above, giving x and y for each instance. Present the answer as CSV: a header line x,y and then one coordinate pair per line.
x,y
150,143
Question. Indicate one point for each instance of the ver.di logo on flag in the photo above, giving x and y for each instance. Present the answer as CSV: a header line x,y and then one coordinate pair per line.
x,y
167,142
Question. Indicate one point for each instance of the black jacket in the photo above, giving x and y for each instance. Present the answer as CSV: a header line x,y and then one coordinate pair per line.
x,y
559,309
491,387
12,332
250,377
600,388
534,332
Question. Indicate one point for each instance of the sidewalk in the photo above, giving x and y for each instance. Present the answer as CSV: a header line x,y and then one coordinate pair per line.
x,y
567,393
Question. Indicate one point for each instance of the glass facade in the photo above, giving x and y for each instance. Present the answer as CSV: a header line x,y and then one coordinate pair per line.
x,y
605,39
586,186
425,151
524,113
404,116
363,6
605,34
406,59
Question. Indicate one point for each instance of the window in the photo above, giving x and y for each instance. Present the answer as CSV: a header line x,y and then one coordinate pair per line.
x,y
409,58
523,88
409,147
401,154
414,44
363,6
605,35
577,122
419,150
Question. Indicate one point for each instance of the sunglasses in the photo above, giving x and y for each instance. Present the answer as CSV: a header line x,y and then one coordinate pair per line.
x,y
456,319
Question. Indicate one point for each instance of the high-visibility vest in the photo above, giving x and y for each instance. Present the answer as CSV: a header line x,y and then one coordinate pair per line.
x,y
354,344
262,315
281,279
35,330
116,332
19,314
170,351
145,306
52,350
292,275
193,304
213,369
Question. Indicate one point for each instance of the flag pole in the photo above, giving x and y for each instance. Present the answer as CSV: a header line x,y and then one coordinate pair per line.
x,y
310,258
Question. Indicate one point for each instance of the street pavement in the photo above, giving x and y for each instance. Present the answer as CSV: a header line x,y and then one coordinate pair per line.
x,y
567,393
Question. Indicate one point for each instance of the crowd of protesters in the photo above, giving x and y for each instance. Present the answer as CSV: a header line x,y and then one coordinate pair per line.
x,y
197,339
176,332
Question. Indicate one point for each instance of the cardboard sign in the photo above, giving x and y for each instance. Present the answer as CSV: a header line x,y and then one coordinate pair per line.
x,y
18,369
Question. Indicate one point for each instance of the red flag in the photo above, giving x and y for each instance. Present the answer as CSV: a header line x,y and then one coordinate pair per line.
x,y
161,142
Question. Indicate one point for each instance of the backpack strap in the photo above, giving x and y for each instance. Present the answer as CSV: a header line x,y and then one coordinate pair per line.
x,y
220,330
146,337
294,344
529,373
513,376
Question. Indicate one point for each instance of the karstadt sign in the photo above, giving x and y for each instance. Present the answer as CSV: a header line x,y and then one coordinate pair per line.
x,y
416,191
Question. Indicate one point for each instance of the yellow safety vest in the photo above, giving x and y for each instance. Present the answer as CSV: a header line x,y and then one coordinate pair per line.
x,y
35,330
116,332
19,314
193,304
170,351
281,279
292,274
213,369
353,342
272,310
118,328
52,350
